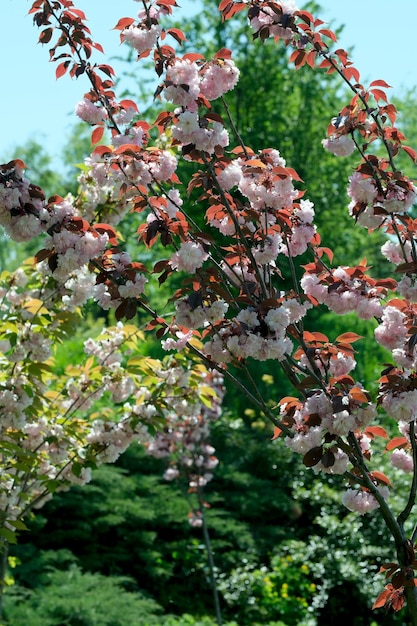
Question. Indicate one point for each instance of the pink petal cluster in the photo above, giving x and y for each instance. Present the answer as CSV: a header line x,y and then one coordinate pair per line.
x,y
89,112
218,78
362,501
344,293
339,145
402,460
140,37
189,257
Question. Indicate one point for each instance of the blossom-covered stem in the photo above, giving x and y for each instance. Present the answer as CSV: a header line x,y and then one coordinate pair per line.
x,y
369,163
402,518
292,268
233,127
236,382
237,227
400,240
210,557
368,109
390,520
88,71
227,374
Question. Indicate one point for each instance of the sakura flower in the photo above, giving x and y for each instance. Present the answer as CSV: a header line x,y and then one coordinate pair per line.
x,y
133,289
179,343
392,331
401,406
362,189
89,112
182,84
339,146
407,288
362,501
402,460
189,257
141,38
218,78
394,253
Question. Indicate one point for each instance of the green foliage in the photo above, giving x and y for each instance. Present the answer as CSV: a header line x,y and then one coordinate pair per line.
x,y
76,598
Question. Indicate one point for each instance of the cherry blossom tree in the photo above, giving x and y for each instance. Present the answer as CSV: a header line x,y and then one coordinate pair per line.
x,y
233,242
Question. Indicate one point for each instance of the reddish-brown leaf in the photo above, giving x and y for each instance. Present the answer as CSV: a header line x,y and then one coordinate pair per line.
x,y
97,134
46,35
348,338
358,395
381,599
328,33
123,23
277,432
378,94
411,152
380,477
61,69
396,442
376,431
380,83
224,53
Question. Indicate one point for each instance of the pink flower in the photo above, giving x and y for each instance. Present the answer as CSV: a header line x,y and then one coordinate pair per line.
x,y
402,460
362,189
142,39
90,113
189,257
182,83
339,146
179,343
391,333
362,501
218,78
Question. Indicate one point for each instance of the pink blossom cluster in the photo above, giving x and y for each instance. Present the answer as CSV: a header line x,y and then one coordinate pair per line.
x,y
200,316
89,112
263,188
401,405
121,280
103,185
185,441
190,256
185,81
371,204
401,459
339,145
252,334
190,131
336,415
22,205
276,223
395,333
57,440
277,21
217,78
142,38
361,501
344,290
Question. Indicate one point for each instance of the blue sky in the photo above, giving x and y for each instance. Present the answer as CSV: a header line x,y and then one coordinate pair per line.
x,y
37,106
